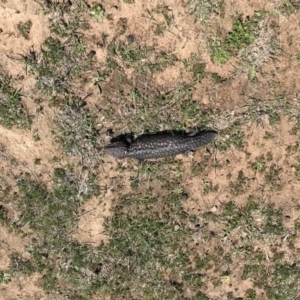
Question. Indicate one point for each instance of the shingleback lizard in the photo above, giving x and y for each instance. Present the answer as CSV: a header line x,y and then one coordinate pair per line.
x,y
161,144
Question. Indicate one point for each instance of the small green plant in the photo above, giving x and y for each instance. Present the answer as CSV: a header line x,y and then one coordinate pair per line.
x,y
198,71
160,29
219,52
80,46
297,168
5,277
128,53
259,165
272,176
3,214
240,185
208,187
24,28
97,12
36,137
37,161
269,156
240,35
269,135
298,58
196,66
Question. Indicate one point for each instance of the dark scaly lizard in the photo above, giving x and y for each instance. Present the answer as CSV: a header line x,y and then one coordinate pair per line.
x,y
161,144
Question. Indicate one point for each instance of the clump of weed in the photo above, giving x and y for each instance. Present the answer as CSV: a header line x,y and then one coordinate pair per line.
x,y
20,265
243,33
260,164
245,226
231,137
240,185
274,278
261,114
264,48
12,111
217,78
272,176
97,12
251,294
269,135
291,149
139,57
24,28
5,277
144,244
37,161
198,168
219,52
296,122
65,17
289,7
57,64
160,62
198,71
149,239
77,131
270,219
3,214
129,53
207,187
36,137
161,27
196,66
204,10
297,168
52,215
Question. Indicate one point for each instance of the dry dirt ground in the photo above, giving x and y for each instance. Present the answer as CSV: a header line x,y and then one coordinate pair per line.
x,y
251,98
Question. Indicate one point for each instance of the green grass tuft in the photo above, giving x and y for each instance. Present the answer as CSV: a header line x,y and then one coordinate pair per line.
x,y
97,12
12,110
24,28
